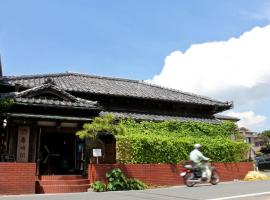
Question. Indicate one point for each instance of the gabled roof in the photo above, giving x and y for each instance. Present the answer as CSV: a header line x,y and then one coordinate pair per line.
x,y
74,82
50,95
47,88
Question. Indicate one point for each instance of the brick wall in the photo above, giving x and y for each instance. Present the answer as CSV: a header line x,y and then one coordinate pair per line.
x,y
17,178
165,174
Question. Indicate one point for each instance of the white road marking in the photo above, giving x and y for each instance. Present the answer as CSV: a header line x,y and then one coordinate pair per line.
x,y
241,196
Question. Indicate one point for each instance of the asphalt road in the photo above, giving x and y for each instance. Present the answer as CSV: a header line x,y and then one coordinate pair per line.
x,y
257,190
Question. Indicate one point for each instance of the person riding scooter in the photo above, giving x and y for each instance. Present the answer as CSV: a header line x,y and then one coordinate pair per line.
x,y
200,161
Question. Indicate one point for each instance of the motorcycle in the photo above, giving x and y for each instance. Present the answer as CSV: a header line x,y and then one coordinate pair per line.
x,y
193,175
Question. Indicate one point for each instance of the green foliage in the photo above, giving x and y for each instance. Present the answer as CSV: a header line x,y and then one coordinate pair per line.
x,y
265,135
168,141
107,123
172,141
5,104
180,129
135,184
98,186
138,148
117,181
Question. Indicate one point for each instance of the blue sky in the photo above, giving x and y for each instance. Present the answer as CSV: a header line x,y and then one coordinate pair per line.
x,y
123,38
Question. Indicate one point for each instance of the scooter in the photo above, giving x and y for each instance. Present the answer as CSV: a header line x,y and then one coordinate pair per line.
x,y
192,175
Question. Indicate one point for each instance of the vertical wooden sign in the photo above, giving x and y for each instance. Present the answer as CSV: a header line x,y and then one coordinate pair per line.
x,y
23,143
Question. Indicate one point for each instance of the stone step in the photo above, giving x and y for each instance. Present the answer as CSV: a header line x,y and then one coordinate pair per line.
x,y
62,184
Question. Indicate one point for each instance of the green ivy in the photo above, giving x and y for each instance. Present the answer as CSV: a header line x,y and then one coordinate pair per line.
x,y
180,129
138,148
168,141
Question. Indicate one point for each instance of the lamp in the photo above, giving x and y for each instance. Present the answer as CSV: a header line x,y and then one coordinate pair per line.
x,y
4,123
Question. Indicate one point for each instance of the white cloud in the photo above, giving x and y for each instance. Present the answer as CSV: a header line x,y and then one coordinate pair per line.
x,y
238,69
248,119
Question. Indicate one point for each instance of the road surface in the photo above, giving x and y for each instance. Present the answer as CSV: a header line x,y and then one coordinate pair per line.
x,y
256,190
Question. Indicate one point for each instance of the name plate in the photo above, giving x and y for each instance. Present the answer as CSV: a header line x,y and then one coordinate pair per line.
x,y
23,143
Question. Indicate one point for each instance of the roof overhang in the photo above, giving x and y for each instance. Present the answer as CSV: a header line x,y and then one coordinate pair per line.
x,y
157,118
48,117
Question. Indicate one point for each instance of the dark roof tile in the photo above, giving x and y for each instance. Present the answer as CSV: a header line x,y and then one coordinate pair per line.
x,y
148,117
115,86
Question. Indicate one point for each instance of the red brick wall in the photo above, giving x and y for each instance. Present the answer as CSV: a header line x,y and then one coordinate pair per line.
x,y
17,178
165,174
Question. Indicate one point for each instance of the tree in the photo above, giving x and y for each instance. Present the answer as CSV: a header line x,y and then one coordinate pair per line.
x,y
105,124
265,135
90,132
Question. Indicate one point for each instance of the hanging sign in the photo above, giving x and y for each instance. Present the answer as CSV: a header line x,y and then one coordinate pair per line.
x,y
23,143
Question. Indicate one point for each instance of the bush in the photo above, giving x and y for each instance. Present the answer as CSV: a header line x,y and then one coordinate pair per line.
x,y
98,186
117,181
135,184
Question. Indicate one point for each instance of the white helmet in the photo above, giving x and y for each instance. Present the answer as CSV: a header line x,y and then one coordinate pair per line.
x,y
197,146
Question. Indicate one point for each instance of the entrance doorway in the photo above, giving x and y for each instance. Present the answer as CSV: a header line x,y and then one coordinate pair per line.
x,y
57,153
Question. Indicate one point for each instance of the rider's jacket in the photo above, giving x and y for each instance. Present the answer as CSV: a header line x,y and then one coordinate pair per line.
x,y
196,156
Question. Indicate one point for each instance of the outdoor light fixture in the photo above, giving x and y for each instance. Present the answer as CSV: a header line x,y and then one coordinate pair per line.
x,y
4,123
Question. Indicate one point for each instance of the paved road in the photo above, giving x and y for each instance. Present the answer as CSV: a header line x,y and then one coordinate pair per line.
x,y
257,190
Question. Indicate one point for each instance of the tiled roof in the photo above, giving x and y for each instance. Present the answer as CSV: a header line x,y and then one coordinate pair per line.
x,y
61,99
114,86
148,117
45,87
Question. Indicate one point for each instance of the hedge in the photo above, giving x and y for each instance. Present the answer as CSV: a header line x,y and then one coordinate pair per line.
x,y
172,141
164,149
180,129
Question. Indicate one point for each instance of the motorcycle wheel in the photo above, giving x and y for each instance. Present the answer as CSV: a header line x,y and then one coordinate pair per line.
x,y
189,176
214,178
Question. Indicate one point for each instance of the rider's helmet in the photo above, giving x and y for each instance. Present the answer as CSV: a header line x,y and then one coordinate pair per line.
x,y
197,146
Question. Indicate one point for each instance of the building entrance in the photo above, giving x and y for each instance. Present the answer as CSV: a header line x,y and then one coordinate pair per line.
x,y
57,153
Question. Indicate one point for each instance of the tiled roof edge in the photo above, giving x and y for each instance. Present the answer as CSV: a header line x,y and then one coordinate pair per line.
x,y
226,103
229,103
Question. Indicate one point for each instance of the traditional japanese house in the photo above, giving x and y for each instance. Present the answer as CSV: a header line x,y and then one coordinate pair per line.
x,y
48,109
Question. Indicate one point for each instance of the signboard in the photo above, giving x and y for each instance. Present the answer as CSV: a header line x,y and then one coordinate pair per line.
x,y
96,152
23,143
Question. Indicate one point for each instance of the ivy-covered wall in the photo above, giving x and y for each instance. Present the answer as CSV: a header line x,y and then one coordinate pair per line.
x,y
172,141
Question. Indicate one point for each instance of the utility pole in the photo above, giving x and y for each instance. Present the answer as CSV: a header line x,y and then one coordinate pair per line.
x,y
1,71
